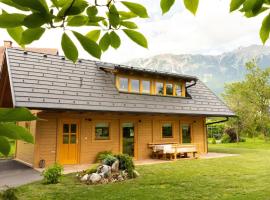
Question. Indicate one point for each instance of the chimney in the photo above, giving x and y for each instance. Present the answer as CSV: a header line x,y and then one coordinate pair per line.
x,y
7,44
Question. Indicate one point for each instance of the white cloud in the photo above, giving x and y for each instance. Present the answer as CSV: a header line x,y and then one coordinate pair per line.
x,y
213,30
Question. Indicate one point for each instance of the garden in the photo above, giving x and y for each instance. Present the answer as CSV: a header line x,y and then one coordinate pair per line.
x,y
184,179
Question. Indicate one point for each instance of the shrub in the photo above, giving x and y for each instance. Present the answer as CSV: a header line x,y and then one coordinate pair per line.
x,y
126,163
242,140
213,141
52,174
102,155
225,138
109,160
92,169
9,194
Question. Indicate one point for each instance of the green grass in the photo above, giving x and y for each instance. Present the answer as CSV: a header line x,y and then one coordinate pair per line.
x,y
246,177
12,151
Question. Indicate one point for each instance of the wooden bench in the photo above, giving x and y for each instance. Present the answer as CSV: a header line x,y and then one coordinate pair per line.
x,y
172,150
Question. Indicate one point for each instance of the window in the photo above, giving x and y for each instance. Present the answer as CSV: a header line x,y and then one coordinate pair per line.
x,y
167,131
102,131
186,133
146,86
123,84
159,88
178,89
135,85
169,89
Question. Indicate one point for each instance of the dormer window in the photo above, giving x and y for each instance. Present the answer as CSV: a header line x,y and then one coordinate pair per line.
x,y
159,88
123,84
178,89
135,85
169,89
151,86
146,87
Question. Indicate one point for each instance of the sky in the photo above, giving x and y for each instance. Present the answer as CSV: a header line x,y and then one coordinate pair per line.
x,y
212,31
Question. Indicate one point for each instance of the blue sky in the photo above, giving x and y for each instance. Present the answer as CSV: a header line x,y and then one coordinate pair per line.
x,y
212,31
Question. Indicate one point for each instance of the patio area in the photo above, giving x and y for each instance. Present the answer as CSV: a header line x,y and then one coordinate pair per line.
x,y
76,168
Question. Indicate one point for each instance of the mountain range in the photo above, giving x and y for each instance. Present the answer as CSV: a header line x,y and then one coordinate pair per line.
x,y
214,70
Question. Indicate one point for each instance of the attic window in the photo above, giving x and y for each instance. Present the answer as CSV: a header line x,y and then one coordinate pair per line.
x,y
137,84
123,84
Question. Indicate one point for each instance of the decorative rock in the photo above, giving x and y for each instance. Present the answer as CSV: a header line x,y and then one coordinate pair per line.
x,y
135,173
120,177
94,178
115,166
104,171
85,178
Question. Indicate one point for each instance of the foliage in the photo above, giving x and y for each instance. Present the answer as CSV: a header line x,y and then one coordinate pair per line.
x,y
10,131
225,138
53,173
102,155
126,163
231,132
247,174
92,169
9,194
215,130
109,160
41,15
250,100
214,141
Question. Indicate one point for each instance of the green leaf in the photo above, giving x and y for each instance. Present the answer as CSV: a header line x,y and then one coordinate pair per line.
x,y
55,3
235,4
166,5
126,15
136,37
95,19
69,49
89,45
252,5
92,11
130,25
93,35
72,8
192,5
265,29
11,20
12,4
114,16
4,146
31,34
105,42
79,20
136,8
16,115
254,14
34,20
13,131
15,34
115,40
36,5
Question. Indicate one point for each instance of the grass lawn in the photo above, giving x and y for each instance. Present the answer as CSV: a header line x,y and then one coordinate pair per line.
x,y
12,151
246,176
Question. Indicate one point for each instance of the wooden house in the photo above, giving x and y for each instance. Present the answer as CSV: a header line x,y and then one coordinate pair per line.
x,y
91,106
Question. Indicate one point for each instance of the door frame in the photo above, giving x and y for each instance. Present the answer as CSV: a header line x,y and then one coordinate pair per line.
x,y
135,122
191,131
59,138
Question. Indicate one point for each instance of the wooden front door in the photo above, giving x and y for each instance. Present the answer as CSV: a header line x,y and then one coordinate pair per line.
x,y
68,142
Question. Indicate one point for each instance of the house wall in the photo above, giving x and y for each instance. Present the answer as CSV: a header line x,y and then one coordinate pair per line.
x,y
24,150
148,131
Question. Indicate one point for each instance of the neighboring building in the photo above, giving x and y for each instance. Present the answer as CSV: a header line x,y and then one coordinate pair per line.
x,y
90,106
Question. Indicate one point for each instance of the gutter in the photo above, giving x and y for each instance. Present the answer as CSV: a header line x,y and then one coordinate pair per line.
x,y
193,84
217,122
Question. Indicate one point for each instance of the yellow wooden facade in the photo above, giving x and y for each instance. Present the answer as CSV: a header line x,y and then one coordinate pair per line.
x,y
48,136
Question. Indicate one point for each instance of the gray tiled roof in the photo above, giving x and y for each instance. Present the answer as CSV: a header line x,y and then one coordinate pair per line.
x,y
51,82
